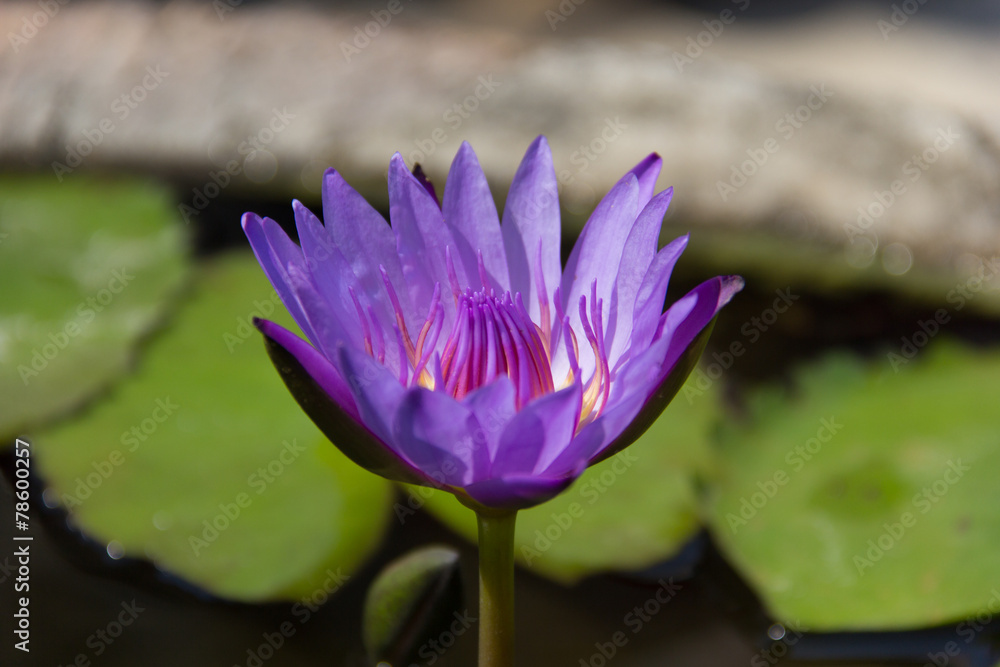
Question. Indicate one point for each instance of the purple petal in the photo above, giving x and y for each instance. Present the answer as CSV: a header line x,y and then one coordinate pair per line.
x,y
322,393
377,393
326,330
318,367
493,406
421,238
472,215
638,255
436,434
367,242
577,454
418,173
531,228
597,256
287,257
647,171
275,271
518,491
332,277
639,379
653,289
538,433
683,327
643,376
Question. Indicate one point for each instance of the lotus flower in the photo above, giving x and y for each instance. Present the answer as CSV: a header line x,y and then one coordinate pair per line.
x,y
452,351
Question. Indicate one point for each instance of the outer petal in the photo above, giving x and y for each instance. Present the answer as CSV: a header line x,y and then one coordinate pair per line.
x,y
597,255
531,228
641,377
421,238
275,270
470,212
685,332
518,491
331,276
494,407
366,242
649,299
637,256
436,434
538,433
321,392
647,171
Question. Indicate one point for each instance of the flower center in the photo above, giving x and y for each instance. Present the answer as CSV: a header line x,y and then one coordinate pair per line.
x,y
494,336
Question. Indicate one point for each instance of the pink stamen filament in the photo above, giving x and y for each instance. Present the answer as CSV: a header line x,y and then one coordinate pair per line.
x,y
493,336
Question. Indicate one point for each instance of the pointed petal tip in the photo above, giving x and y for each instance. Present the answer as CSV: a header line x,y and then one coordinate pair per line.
x,y
682,240
650,160
730,286
331,178
249,218
540,145
465,158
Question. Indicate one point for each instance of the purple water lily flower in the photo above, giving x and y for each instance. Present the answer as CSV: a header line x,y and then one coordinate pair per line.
x,y
452,351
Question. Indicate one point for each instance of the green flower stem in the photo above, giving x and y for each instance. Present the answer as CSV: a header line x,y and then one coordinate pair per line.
x,y
496,588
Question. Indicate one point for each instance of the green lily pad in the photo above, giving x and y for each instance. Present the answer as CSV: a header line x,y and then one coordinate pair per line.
x,y
204,463
87,268
868,500
626,513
